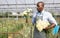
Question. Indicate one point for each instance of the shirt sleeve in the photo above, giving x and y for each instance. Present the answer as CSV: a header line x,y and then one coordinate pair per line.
x,y
34,18
51,19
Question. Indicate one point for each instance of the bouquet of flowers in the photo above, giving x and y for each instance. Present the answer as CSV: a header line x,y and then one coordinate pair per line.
x,y
40,24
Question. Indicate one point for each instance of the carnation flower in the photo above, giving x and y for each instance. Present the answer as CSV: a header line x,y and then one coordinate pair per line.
x,y
42,24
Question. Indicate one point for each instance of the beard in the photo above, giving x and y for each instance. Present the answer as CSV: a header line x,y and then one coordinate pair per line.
x,y
39,10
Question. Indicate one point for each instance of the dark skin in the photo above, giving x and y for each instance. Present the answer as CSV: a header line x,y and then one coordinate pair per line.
x,y
39,9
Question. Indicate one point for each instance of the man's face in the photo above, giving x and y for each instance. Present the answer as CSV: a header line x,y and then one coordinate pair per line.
x,y
40,7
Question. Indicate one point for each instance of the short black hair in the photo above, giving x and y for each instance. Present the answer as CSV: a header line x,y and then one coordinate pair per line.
x,y
40,2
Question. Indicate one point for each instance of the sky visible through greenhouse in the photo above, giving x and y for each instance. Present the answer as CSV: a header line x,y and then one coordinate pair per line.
x,y
20,5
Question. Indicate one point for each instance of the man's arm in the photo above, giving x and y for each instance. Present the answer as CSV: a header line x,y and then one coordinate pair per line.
x,y
51,26
34,19
52,21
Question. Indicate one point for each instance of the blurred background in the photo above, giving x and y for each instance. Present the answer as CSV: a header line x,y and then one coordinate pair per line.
x,y
13,23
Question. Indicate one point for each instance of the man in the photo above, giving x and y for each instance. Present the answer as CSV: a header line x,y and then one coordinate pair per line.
x,y
43,15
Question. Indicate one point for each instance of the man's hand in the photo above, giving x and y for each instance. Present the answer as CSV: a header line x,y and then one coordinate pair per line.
x,y
49,27
46,28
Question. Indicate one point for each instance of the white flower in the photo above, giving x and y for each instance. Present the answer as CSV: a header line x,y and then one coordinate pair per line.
x,y
27,11
41,25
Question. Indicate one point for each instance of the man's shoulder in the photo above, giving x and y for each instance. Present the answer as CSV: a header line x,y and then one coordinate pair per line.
x,y
47,12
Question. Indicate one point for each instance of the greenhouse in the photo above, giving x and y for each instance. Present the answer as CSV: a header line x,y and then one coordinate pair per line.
x,y
13,24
